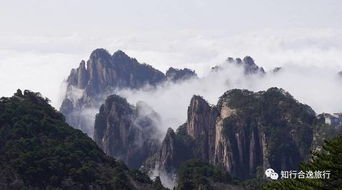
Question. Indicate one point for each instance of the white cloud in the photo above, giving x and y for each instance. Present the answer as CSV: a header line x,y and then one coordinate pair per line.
x,y
43,72
318,87
42,63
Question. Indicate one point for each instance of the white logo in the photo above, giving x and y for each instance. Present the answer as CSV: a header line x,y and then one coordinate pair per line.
x,y
271,174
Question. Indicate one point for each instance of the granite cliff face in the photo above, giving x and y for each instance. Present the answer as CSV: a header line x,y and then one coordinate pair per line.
x,y
126,132
102,75
105,72
87,86
244,133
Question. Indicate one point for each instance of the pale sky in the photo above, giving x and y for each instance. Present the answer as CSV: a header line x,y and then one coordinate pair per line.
x,y
42,40
57,17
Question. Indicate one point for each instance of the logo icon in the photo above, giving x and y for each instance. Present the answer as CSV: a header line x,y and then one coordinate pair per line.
x,y
271,174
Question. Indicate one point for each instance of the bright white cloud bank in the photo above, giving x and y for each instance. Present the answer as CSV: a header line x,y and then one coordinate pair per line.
x,y
317,87
312,57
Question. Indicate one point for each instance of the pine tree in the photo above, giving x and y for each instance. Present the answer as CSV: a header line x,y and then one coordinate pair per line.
x,y
329,159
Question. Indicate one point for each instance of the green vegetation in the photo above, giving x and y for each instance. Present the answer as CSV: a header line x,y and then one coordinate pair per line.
x,y
322,132
329,159
286,123
196,174
38,150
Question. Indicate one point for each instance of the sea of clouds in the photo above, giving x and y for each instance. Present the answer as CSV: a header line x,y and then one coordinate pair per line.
x,y
310,58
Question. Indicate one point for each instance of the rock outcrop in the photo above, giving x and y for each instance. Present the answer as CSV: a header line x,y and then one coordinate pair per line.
x,y
92,82
277,69
126,132
102,75
327,126
245,132
180,74
105,72
247,63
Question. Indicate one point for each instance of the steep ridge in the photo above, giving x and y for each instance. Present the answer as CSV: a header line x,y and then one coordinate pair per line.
x,y
39,150
244,133
103,74
126,132
87,87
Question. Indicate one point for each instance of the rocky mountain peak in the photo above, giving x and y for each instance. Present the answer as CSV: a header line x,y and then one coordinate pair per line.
x,y
174,74
250,66
120,54
101,75
88,85
82,65
247,130
170,133
122,131
277,69
247,63
99,53
121,57
248,60
116,104
198,111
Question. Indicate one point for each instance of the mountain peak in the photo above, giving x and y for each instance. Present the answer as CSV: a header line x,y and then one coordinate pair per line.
x,y
123,132
99,53
170,132
120,53
248,60
121,57
247,63
236,133
197,100
174,74
82,64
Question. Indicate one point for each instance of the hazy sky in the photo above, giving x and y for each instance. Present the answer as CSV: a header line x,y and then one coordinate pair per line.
x,y
41,40
56,17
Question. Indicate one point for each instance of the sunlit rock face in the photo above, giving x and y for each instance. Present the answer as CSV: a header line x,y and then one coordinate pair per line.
x,y
245,132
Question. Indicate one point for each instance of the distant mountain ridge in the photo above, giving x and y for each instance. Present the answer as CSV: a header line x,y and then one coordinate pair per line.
x,y
173,74
247,63
94,80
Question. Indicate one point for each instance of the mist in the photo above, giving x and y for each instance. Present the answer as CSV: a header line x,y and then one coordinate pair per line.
x,y
41,63
320,88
